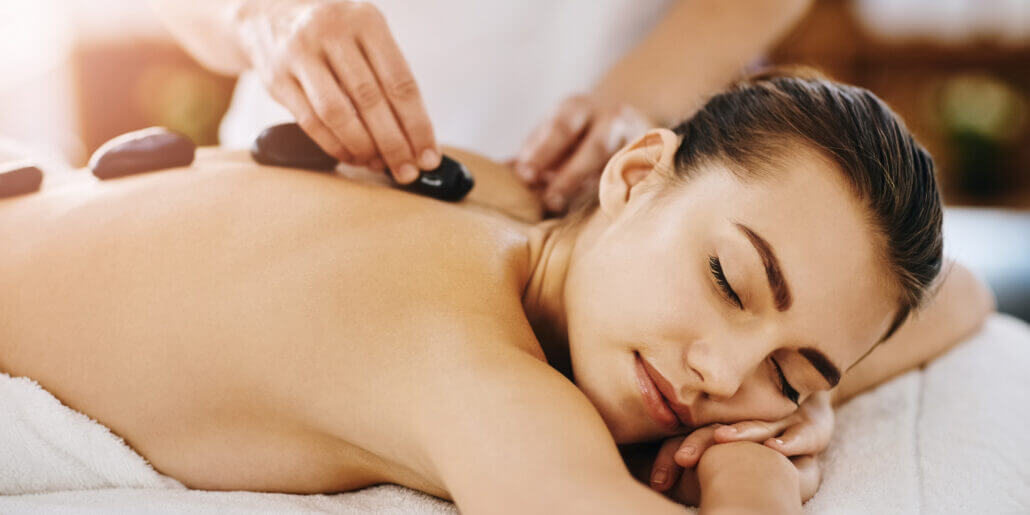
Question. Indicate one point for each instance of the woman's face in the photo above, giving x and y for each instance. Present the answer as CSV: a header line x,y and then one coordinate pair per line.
x,y
710,289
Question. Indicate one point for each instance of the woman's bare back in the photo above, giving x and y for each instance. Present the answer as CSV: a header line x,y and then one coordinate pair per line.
x,y
241,326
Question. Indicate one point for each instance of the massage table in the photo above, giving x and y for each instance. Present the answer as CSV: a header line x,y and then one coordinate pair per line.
x,y
952,437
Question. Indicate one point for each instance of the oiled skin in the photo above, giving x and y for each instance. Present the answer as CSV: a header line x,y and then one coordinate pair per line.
x,y
256,328
225,319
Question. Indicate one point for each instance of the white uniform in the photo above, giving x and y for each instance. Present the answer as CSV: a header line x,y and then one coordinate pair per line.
x,y
489,71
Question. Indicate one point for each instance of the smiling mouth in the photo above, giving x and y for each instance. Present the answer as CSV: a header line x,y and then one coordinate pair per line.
x,y
655,403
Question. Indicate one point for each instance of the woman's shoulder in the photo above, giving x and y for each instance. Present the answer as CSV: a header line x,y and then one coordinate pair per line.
x,y
496,187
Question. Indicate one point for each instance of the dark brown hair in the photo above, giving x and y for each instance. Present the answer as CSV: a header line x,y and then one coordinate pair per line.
x,y
752,124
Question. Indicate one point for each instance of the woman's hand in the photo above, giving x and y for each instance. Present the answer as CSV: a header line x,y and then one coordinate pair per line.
x,y
573,146
334,65
746,477
800,436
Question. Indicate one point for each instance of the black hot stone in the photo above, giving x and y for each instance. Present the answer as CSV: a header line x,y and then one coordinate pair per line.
x,y
19,180
288,145
142,151
450,181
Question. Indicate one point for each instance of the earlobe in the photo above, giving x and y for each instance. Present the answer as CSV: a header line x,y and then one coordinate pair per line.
x,y
638,164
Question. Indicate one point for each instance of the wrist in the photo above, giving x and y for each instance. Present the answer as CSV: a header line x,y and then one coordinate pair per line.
x,y
240,13
248,23
736,460
748,475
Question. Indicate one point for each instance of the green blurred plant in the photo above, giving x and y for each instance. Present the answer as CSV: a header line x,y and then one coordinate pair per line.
x,y
983,118
184,100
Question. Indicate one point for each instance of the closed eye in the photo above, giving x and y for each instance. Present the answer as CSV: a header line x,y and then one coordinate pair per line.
x,y
788,391
715,266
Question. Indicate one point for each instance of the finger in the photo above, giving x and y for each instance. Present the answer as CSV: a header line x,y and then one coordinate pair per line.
x,y
809,475
530,176
289,94
588,159
695,445
364,91
553,140
803,438
665,472
752,430
335,110
402,91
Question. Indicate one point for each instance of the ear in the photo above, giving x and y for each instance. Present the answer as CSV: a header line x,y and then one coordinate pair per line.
x,y
638,165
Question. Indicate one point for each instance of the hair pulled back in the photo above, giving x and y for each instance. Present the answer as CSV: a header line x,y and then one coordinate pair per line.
x,y
755,122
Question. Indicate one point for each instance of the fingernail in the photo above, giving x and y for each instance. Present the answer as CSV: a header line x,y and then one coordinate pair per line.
x,y
430,159
731,429
778,441
407,173
688,450
659,476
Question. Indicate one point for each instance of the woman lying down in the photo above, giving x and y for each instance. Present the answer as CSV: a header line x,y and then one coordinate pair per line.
x,y
266,329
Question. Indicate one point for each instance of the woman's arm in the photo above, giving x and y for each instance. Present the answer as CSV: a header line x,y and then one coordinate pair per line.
x,y
958,309
523,439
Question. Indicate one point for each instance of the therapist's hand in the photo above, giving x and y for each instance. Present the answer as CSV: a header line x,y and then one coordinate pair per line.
x,y
336,67
573,145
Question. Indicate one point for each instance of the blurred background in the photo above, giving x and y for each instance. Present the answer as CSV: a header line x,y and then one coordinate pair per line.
x,y
74,73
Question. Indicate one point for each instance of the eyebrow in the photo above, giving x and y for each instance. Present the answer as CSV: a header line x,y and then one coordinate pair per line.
x,y
822,364
777,284
783,300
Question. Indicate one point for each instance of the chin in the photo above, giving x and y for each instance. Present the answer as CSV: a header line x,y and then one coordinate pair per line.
x,y
608,379
626,429
623,421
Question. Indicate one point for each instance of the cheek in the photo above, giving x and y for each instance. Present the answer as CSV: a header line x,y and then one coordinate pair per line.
x,y
757,399
606,291
634,292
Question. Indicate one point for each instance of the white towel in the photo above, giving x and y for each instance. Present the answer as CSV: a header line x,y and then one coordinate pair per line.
x,y
45,447
953,438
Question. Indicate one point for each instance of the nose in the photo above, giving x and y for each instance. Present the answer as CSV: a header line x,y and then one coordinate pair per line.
x,y
724,365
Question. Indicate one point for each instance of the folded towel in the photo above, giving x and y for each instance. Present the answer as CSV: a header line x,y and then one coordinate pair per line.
x,y
951,438
45,446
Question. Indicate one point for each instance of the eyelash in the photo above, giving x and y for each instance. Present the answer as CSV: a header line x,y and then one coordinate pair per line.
x,y
720,278
788,391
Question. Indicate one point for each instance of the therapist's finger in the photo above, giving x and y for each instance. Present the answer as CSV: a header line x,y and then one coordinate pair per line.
x,y
288,93
588,159
402,92
549,143
334,109
363,88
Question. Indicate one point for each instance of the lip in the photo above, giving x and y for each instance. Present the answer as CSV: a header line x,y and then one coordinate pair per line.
x,y
655,403
668,393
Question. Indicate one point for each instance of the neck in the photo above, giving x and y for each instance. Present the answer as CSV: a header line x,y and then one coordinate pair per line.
x,y
552,245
